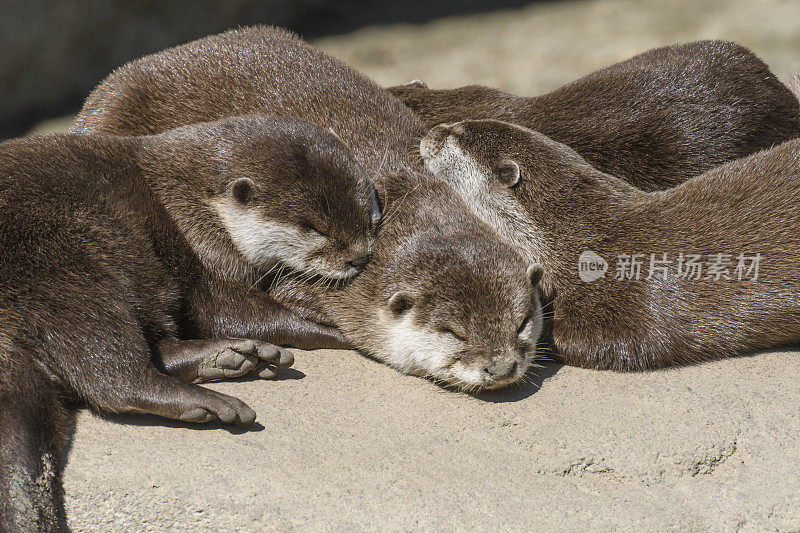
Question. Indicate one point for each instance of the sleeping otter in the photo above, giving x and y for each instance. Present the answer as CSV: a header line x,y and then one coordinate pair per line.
x,y
705,270
654,120
119,284
442,297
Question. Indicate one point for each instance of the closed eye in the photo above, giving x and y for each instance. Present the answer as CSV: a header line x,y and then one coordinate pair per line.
x,y
523,327
313,229
449,331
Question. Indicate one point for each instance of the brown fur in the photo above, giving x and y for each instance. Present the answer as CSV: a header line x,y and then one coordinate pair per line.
x,y
567,207
654,120
429,242
103,296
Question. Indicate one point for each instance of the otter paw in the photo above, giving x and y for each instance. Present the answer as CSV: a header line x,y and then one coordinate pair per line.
x,y
231,361
227,409
242,357
272,357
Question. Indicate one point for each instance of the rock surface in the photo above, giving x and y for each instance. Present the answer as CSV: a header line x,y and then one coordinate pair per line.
x,y
347,443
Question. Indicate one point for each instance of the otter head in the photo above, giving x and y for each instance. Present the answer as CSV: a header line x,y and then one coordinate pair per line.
x,y
510,176
290,193
460,309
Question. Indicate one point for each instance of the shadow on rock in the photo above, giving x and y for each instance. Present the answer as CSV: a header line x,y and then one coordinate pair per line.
x,y
283,374
153,420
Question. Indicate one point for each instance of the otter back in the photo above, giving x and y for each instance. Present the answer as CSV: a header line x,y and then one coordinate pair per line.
x,y
654,120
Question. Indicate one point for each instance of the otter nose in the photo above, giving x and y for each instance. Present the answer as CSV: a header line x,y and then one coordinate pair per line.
x,y
360,262
502,369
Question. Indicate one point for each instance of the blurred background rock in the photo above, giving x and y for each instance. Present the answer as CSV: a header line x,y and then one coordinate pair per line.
x,y
54,53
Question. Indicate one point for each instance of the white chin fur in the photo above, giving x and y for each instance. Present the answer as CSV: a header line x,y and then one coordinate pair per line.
x,y
266,242
340,274
421,352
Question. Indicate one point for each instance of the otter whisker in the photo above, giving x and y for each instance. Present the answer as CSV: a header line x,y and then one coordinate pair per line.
x,y
267,273
276,280
398,203
383,160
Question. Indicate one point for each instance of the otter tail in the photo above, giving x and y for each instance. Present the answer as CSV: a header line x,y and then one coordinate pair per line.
x,y
33,427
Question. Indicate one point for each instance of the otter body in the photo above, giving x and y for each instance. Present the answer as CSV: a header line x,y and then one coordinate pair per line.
x,y
718,273
406,308
654,120
105,301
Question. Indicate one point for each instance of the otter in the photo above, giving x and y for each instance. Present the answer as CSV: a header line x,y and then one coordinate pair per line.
x,y
717,270
654,120
442,296
111,297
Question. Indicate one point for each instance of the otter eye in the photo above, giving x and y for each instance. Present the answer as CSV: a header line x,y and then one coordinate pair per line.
x,y
311,228
375,214
523,327
449,331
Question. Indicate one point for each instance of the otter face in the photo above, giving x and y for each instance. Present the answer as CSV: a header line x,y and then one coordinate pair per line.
x,y
479,159
462,311
292,194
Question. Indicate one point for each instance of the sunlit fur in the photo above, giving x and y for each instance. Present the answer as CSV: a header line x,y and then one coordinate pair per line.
x,y
265,242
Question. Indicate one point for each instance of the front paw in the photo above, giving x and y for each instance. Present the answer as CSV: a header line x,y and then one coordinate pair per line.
x,y
239,357
211,405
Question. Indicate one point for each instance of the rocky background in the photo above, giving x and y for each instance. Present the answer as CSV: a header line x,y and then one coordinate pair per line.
x,y
53,52
346,443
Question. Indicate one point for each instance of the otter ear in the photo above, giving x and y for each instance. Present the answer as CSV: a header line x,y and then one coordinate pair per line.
x,y
508,172
534,274
400,302
242,190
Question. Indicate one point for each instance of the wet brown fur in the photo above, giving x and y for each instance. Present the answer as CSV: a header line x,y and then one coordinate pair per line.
x,y
654,120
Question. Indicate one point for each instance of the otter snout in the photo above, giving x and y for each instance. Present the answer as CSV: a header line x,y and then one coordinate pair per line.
x,y
357,264
500,370
356,258
503,370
